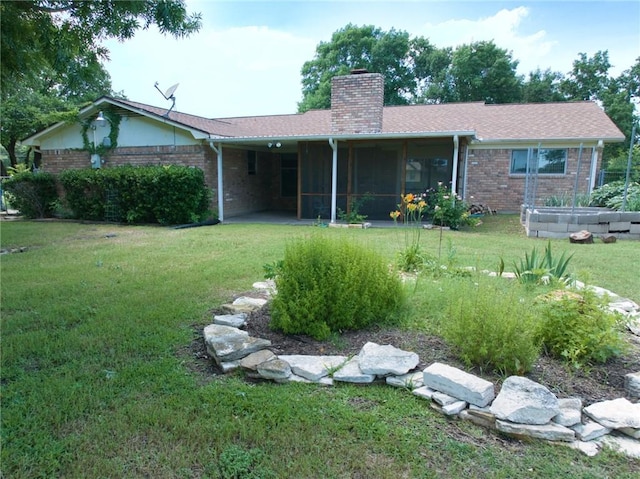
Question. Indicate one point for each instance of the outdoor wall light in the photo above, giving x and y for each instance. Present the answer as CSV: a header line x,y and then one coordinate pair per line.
x,y
276,144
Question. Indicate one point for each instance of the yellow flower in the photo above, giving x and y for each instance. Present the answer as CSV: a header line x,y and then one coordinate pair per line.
x,y
422,204
409,198
412,206
394,215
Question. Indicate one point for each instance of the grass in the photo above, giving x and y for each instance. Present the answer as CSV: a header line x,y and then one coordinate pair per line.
x,y
95,383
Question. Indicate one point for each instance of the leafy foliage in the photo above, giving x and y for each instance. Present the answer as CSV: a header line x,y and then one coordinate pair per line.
x,y
577,328
611,195
148,194
534,268
353,216
328,285
33,194
448,209
491,328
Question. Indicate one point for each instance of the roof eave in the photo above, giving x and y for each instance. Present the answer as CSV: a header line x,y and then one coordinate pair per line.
x,y
343,136
498,141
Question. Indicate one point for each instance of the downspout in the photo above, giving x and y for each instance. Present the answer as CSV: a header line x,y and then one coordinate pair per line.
x,y
334,179
454,174
465,172
595,152
220,192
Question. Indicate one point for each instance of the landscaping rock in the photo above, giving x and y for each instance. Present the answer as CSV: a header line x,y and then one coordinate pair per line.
x,y
480,418
625,445
583,237
570,412
631,432
615,414
386,360
409,380
225,343
608,238
443,399
551,432
351,373
253,360
454,408
313,368
234,320
424,392
255,303
590,430
276,369
632,384
524,401
459,384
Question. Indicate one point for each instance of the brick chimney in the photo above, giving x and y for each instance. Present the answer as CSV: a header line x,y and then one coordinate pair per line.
x,y
356,102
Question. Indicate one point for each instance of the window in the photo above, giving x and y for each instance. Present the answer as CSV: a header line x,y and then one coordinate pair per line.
x,y
252,162
549,162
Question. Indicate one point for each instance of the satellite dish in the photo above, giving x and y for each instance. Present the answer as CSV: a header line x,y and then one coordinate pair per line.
x,y
168,95
170,91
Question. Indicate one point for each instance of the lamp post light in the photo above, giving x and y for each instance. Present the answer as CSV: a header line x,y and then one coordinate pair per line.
x,y
100,121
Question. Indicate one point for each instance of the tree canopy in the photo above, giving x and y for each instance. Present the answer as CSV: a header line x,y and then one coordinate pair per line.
x,y
416,71
52,54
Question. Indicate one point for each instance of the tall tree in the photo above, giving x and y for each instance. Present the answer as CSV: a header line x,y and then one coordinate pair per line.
x,y
588,78
430,66
481,71
355,47
542,87
52,54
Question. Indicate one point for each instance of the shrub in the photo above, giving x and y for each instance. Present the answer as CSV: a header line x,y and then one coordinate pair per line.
x,y
147,194
410,211
611,196
577,328
492,328
328,285
448,209
33,194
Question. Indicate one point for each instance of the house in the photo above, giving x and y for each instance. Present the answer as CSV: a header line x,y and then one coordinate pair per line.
x,y
312,164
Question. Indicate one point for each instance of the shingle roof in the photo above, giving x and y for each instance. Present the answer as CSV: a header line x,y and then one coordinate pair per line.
x,y
532,121
488,123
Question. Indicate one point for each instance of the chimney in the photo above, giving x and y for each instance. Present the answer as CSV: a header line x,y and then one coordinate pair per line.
x,y
356,102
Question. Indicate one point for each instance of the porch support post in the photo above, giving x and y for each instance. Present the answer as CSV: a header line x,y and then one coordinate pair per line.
x,y
334,179
454,174
594,165
218,151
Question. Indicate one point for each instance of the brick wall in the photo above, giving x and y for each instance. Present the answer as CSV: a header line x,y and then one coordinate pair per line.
x,y
490,183
356,103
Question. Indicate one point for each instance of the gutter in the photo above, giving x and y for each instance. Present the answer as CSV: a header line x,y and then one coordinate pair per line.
x,y
342,137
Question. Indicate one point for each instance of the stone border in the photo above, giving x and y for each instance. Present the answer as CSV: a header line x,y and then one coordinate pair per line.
x,y
522,408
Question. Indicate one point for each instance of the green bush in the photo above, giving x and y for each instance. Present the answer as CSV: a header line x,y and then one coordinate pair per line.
x,y
33,194
611,196
328,285
491,327
137,194
447,209
577,328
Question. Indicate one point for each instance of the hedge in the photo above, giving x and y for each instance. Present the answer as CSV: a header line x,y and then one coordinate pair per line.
x,y
137,194
32,194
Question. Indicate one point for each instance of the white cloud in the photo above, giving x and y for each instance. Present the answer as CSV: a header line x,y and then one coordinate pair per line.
x,y
532,51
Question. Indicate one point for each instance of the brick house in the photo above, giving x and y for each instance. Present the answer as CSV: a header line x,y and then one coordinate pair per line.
x,y
312,164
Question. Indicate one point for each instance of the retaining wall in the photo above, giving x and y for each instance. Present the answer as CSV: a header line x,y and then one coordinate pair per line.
x,y
561,222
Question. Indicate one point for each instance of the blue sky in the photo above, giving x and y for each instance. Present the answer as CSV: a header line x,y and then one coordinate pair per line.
x,y
246,60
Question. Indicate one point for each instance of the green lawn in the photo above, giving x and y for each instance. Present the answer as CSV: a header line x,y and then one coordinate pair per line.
x,y
95,381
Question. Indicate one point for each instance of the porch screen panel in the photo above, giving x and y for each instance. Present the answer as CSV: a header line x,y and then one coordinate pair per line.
x,y
377,171
315,170
427,165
